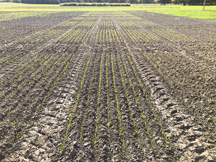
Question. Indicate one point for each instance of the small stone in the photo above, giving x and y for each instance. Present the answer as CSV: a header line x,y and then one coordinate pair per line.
x,y
60,101
183,146
75,144
33,133
37,152
63,95
86,144
35,129
41,140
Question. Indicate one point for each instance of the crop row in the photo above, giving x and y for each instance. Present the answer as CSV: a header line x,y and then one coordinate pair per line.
x,y
128,21
108,100
139,35
128,113
15,30
134,18
87,101
69,23
12,55
118,108
87,24
18,74
19,82
92,18
171,35
145,23
75,35
97,120
43,36
79,18
126,24
107,24
7,60
108,36
107,17
121,13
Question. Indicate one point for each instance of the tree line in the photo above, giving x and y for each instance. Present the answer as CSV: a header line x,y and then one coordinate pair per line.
x,y
79,1
184,2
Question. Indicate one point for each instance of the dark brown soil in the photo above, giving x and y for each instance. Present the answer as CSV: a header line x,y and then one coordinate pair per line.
x,y
111,86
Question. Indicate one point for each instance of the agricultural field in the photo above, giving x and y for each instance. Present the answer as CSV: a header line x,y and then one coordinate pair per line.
x,y
107,86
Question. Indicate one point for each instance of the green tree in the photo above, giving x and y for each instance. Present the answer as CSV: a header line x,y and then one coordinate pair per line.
x,y
164,2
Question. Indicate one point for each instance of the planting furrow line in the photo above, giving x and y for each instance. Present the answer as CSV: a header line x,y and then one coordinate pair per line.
x,y
38,32
182,130
103,151
25,98
13,59
144,91
115,140
87,102
204,73
20,89
25,67
102,145
82,36
118,108
158,119
21,80
179,49
159,126
98,101
176,114
188,82
139,104
50,123
50,86
87,143
31,97
108,99
148,100
192,110
73,35
66,101
37,50
156,116
136,132
192,78
72,115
